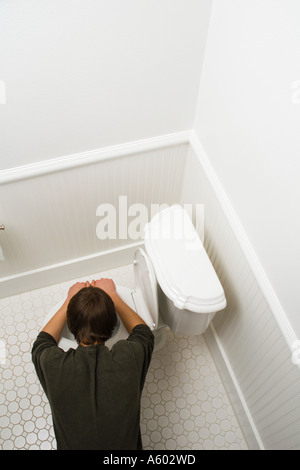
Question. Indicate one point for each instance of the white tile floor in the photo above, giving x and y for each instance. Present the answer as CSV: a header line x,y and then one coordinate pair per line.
x,y
184,403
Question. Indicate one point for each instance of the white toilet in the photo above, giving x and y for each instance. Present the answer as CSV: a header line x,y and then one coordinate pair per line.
x,y
176,284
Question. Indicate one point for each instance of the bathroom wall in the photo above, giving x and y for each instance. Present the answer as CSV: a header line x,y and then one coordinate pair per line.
x,y
247,120
87,74
51,212
248,344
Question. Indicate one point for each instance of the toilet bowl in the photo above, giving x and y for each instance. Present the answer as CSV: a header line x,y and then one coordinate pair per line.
x,y
175,283
142,299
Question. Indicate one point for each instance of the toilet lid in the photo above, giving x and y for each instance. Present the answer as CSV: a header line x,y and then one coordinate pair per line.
x,y
182,266
146,284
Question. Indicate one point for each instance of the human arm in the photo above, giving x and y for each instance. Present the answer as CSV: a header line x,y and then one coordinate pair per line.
x,y
56,324
128,316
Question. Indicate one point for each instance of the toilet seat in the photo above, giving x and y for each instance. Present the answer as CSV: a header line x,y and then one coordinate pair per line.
x,y
142,299
146,289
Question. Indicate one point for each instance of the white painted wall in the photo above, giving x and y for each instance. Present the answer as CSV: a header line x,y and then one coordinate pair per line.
x,y
86,74
248,121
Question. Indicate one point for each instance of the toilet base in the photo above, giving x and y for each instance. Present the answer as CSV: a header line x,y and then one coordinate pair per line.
x,y
160,338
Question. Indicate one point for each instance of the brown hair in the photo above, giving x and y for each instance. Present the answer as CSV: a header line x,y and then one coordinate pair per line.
x,y
91,316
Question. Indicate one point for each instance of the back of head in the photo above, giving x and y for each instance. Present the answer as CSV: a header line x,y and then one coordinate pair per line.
x,y
91,316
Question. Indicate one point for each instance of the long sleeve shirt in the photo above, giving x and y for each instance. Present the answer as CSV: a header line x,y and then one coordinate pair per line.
x,y
95,393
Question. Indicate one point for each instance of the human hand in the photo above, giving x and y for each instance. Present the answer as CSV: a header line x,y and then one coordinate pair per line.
x,y
76,288
105,284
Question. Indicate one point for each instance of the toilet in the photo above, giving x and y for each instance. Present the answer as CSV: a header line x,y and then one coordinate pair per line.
x,y
176,285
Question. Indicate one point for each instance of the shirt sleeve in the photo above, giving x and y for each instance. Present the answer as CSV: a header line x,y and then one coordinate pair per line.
x,y
141,340
43,344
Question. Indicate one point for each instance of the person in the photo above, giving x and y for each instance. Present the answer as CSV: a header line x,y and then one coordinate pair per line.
x,y
94,393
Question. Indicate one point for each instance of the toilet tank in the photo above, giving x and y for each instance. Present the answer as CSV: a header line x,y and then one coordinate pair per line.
x,y
189,292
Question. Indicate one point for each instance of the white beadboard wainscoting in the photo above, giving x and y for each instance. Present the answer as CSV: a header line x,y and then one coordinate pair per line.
x,y
49,209
50,215
251,339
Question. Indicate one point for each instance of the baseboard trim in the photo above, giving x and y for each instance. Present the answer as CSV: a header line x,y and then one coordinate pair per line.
x,y
233,390
68,270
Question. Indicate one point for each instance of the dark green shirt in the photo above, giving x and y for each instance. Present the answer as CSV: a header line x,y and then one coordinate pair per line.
x,y
94,392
